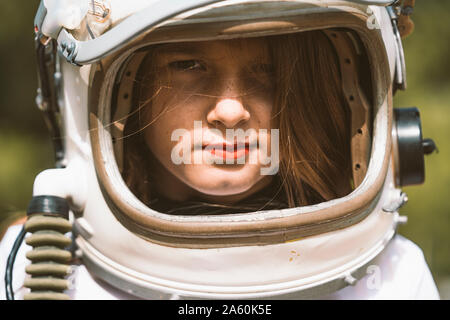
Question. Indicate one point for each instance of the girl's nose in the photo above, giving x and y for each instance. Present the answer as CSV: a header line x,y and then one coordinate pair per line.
x,y
229,108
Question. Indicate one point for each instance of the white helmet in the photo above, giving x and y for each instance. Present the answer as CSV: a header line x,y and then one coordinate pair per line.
x,y
296,252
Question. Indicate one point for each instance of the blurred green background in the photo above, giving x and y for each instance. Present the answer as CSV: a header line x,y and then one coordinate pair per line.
x,y
26,149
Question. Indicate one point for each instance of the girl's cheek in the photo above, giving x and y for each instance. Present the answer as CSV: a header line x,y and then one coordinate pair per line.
x,y
189,81
261,109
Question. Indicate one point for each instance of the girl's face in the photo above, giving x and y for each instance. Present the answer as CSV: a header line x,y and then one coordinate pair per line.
x,y
203,90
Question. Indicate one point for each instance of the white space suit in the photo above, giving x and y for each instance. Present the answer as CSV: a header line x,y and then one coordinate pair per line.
x,y
399,273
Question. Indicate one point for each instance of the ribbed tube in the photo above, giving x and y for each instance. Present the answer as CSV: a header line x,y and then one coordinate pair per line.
x,y
49,260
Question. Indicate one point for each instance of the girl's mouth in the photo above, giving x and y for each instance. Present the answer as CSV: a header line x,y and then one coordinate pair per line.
x,y
228,151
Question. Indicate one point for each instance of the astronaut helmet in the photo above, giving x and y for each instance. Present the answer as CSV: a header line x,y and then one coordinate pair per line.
x,y
226,149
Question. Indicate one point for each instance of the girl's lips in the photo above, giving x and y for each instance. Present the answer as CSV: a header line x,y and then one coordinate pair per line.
x,y
228,151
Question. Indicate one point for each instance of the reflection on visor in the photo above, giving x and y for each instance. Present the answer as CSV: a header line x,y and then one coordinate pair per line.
x,y
225,110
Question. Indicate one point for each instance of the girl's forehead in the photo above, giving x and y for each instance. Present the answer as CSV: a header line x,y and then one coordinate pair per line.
x,y
249,48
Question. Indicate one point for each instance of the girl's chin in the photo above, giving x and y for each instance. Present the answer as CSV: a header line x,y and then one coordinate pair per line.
x,y
221,188
227,175
224,183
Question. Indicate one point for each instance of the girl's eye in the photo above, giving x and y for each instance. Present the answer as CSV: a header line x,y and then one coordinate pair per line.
x,y
186,65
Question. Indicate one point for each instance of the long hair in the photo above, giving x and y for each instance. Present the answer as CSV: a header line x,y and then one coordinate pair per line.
x,y
313,118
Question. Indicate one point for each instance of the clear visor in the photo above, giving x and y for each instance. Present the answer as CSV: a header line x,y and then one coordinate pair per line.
x,y
238,125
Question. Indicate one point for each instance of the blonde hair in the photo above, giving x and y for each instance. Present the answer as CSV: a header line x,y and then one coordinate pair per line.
x,y
311,113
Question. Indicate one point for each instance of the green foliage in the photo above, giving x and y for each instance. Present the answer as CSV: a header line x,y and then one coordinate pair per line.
x,y
23,156
25,148
427,51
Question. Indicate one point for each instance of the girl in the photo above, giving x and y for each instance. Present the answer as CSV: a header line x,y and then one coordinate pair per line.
x,y
290,82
